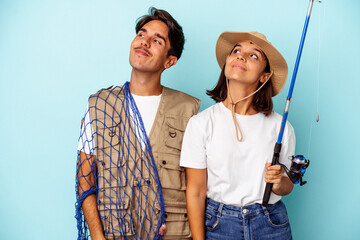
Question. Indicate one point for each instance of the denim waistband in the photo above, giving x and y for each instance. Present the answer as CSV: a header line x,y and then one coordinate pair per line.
x,y
248,210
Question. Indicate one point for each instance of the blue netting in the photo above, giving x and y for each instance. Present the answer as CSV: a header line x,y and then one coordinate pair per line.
x,y
116,164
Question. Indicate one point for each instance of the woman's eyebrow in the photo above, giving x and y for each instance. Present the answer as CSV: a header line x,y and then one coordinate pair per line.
x,y
255,49
237,45
258,50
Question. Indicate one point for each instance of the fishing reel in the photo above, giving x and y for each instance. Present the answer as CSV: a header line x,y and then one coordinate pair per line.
x,y
297,170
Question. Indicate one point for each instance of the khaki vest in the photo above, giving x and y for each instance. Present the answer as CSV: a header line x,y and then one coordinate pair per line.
x,y
107,111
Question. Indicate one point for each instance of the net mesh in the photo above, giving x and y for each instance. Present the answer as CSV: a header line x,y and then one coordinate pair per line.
x,y
116,165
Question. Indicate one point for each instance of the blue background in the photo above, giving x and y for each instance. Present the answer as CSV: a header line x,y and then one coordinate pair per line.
x,y
54,54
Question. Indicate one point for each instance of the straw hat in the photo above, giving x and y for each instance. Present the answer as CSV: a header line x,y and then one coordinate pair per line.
x,y
278,65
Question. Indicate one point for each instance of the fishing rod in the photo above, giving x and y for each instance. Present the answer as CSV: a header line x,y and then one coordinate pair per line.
x,y
299,163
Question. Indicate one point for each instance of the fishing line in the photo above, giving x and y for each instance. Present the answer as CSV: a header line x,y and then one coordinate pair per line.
x,y
321,21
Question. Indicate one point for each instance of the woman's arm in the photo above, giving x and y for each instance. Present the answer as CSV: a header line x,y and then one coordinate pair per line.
x,y
275,174
195,201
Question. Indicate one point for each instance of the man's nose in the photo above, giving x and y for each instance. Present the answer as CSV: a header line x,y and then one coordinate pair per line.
x,y
145,42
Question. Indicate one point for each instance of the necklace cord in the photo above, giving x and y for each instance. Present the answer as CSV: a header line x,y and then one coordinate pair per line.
x,y
233,106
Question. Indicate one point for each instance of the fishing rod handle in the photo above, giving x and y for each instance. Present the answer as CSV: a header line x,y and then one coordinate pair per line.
x,y
268,188
267,194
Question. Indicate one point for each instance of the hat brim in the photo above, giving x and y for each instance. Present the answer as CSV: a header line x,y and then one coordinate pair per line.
x,y
278,65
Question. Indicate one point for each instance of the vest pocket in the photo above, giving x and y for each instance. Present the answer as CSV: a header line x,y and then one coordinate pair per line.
x,y
176,127
172,176
113,200
116,219
107,132
115,176
176,221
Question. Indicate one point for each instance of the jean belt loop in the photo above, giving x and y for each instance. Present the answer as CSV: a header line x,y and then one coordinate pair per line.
x,y
221,206
266,212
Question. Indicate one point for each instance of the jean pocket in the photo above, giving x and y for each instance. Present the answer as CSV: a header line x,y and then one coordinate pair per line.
x,y
277,215
212,221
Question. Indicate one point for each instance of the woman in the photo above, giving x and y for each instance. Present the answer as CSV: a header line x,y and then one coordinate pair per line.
x,y
227,148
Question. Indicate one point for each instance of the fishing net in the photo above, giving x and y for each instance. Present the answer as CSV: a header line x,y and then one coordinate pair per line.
x,y
116,164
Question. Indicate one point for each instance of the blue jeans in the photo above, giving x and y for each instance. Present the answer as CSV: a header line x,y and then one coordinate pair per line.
x,y
253,222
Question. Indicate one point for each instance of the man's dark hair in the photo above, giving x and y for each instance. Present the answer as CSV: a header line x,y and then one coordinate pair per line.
x,y
262,101
176,34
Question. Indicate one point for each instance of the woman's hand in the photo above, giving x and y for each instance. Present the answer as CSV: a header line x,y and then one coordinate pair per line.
x,y
275,174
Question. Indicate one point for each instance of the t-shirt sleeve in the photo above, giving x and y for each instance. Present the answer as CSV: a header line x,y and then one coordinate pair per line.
x,y
288,146
193,152
86,139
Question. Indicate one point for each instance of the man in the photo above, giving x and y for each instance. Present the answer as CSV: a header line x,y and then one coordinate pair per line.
x,y
129,183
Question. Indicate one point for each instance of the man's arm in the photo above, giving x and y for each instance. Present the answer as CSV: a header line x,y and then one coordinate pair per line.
x,y
86,181
195,201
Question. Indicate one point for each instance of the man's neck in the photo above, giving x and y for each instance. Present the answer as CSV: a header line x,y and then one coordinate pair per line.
x,y
145,84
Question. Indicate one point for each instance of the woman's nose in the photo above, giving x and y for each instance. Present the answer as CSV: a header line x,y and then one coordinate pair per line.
x,y
241,58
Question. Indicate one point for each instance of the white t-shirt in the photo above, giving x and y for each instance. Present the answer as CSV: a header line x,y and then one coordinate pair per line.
x,y
235,170
147,106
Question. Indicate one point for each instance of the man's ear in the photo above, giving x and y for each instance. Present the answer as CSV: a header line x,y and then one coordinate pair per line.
x,y
171,61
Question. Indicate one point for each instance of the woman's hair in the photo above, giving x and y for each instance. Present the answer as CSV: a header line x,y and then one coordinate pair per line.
x,y
262,101
176,35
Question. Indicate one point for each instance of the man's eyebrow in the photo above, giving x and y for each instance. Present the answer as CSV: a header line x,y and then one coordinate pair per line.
x,y
142,30
160,36
156,34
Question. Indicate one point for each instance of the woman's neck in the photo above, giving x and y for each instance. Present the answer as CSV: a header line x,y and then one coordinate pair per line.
x,y
240,95
243,108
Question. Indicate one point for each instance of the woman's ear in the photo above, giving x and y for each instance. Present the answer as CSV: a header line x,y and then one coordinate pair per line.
x,y
265,77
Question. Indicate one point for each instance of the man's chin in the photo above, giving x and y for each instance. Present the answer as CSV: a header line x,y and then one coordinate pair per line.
x,y
139,65
141,68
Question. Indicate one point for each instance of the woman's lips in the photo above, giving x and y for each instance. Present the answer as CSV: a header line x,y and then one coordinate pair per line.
x,y
239,66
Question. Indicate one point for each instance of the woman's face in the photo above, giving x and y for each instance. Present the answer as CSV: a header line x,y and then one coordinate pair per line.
x,y
246,64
